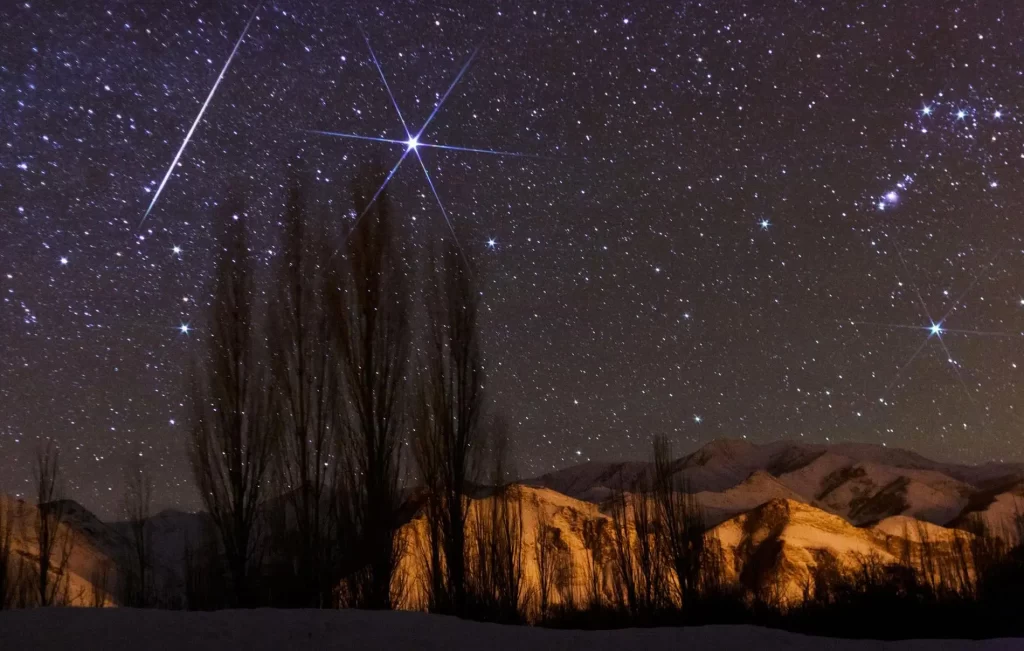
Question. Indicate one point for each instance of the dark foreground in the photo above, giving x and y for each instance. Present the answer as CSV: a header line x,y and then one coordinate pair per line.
x,y
122,629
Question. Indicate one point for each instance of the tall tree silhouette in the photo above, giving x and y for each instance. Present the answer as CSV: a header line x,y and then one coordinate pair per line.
x,y
306,399
691,555
50,537
137,508
230,434
448,427
372,312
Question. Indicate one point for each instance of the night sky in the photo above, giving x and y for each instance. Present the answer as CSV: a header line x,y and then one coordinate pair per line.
x,y
743,219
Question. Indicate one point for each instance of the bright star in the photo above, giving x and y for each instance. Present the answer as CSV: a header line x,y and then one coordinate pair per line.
x,y
413,145
765,224
961,114
697,419
892,196
63,261
936,330
176,250
491,243
997,114
184,328
927,110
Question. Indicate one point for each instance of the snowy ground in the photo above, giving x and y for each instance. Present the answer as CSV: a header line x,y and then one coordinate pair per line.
x,y
124,629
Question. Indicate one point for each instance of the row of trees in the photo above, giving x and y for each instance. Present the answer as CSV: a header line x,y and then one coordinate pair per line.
x,y
311,413
333,383
307,413
653,563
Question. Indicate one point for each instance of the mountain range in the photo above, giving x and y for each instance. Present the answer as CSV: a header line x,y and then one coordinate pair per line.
x,y
786,504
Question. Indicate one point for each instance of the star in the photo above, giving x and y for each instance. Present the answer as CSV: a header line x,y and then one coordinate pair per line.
x,y
184,328
936,328
765,224
998,114
697,419
413,143
961,114
63,261
927,110
491,243
176,250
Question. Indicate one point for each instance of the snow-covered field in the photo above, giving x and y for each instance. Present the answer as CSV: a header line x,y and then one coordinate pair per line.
x,y
122,629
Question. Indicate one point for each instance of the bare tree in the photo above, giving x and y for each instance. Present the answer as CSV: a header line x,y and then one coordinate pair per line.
x,y
307,397
9,575
508,553
544,555
650,559
623,551
594,566
202,570
494,570
564,574
929,565
99,584
137,509
683,531
230,435
373,345
50,536
448,430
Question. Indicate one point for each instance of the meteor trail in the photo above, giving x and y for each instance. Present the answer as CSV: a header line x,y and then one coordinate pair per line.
x,y
199,117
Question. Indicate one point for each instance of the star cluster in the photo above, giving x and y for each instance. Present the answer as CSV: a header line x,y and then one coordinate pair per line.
x,y
728,219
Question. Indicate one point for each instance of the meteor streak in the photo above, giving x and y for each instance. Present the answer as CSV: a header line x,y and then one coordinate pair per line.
x,y
199,117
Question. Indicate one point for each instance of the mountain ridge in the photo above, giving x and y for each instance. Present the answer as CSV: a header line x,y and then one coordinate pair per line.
x,y
862,482
786,505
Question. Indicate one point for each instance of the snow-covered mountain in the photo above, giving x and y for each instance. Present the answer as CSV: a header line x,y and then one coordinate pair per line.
x,y
777,509
862,483
752,492
1000,506
774,548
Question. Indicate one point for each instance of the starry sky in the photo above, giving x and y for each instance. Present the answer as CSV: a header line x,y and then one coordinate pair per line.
x,y
745,219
